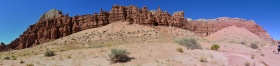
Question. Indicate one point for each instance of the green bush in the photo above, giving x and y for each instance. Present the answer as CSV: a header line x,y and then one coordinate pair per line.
x,y
119,55
49,53
254,46
189,43
180,50
215,47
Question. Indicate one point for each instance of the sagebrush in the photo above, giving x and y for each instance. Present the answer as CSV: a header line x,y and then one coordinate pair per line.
x,y
49,53
119,55
189,43
215,47
254,46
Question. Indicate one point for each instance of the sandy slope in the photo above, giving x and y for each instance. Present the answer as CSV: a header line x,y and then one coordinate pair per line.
x,y
235,34
231,39
149,45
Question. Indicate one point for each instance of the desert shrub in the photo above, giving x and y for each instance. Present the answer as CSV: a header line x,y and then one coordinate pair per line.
x,y
243,42
262,54
189,43
68,56
119,55
252,56
21,61
49,53
215,47
254,46
247,64
29,64
203,59
7,58
13,57
180,50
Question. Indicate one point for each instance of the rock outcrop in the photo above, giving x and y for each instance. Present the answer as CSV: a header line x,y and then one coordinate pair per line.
x,y
54,24
51,14
205,27
3,47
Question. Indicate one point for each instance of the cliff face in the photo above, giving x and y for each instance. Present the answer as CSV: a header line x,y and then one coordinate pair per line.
x,y
206,27
54,24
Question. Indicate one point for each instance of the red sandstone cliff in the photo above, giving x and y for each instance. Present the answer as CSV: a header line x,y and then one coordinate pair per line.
x,y
54,24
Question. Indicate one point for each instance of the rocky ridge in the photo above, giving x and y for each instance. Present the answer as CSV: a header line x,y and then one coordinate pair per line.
x,y
54,24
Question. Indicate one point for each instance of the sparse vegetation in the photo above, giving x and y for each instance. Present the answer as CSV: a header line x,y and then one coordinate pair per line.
x,y
247,64
13,57
49,53
180,50
29,64
262,54
243,42
215,47
21,61
119,55
189,43
252,56
203,59
68,56
7,58
254,46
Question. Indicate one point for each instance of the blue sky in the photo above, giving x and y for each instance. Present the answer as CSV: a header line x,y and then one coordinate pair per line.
x,y
17,15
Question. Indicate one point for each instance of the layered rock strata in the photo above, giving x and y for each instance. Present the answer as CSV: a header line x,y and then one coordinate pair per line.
x,y
54,24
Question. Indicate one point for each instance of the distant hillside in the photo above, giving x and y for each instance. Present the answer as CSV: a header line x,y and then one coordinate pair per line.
x,y
235,35
205,27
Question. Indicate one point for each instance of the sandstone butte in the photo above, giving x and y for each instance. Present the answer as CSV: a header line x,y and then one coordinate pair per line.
x,y
54,24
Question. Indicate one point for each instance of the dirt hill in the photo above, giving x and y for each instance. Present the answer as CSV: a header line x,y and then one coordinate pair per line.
x,y
235,34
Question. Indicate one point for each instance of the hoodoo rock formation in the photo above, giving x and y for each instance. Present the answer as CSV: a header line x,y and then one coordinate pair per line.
x,y
54,24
